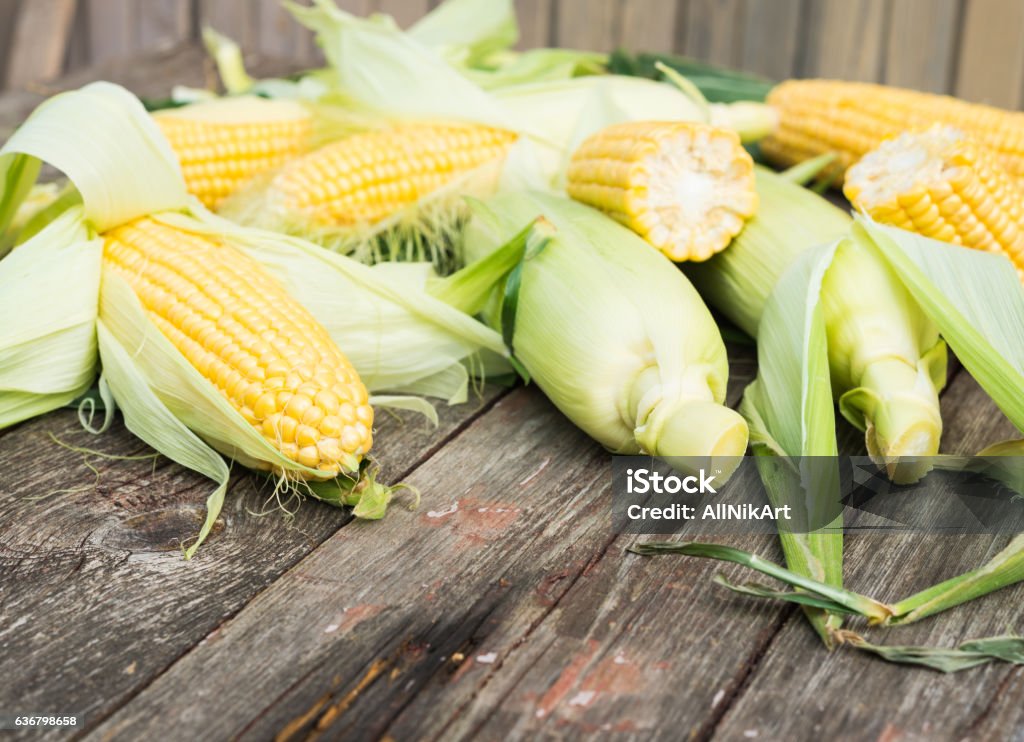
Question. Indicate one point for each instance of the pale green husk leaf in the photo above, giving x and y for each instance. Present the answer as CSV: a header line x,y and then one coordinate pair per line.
x,y
48,289
228,57
17,175
466,32
123,168
974,297
378,68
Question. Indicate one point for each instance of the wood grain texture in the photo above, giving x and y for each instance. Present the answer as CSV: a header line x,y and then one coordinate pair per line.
x,y
845,39
473,575
104,601
233,18
713,31
991,64
487,530
588,24
771,37
535,23
280,36
921,44
880,700
164,24
113,29
648,25
39,41
8,20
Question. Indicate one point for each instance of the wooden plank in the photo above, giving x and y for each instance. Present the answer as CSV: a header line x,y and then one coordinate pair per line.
x,y
921,44
500,552
611,657
826,695
77,55
991,64
9,14
648,25
535,27
587,24
113,29
233,18
845,39
117,536
278,32
164,24
492,561
405,12
771,35
713,31
39,41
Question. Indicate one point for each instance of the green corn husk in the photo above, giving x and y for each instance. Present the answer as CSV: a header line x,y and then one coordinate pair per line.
x,y
402,339
613,334
48,357
886,361
717,84
830,321
974,300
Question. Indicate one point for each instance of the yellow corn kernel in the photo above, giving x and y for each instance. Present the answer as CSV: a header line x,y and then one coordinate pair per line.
x,y
367,177
943,185
686,188
213,302
223,143
849,119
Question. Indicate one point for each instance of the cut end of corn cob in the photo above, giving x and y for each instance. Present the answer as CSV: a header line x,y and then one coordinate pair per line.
x,y
369,177
686,188
941,184
850,119
236,325
223,143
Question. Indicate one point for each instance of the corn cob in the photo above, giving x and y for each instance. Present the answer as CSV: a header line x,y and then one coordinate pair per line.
x,y
685,187
221,144
258,346
942,185
849,119
368,177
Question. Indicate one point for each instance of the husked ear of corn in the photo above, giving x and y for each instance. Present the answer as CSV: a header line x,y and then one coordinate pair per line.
x,y
687,188
262,350
366,178
851,118
391,193
223,143
943,185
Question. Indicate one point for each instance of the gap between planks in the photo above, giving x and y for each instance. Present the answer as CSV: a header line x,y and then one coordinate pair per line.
x,y
424,457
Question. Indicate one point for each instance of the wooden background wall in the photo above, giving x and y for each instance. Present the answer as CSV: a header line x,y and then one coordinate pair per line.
x,y
973,48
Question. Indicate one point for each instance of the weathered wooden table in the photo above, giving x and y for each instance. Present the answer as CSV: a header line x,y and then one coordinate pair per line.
x,y
504,606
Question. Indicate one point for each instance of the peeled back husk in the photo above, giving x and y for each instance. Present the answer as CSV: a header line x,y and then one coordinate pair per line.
x,y
48,289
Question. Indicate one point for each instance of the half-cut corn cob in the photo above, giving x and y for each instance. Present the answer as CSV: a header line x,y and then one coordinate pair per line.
x,y
685,187
223,143
368,177
257,345
942,185
850,118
